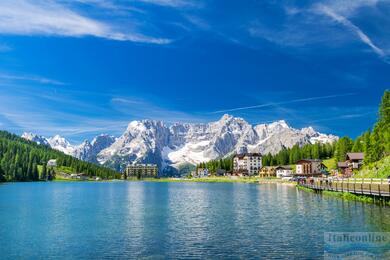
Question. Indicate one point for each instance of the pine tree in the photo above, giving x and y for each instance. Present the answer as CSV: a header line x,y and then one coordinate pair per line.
x,y
343,146
44,172
375,152
2,175
383,125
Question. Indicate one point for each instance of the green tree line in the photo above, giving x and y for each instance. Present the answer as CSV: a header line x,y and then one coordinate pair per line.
x,y
214,165
20,161
296,153
375,144
284,157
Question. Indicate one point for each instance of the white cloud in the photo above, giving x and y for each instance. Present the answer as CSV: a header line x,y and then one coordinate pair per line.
x,y
350,8
38,79
144,109
23,17
170,3
352,27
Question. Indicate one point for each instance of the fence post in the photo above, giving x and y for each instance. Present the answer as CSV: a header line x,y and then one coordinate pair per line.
x,y
342,185
370,188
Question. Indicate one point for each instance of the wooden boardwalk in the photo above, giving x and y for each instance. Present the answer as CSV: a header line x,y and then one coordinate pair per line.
x,y
370,187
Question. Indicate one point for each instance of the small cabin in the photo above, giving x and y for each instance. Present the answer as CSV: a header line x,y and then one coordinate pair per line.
x,y
284,171
52,163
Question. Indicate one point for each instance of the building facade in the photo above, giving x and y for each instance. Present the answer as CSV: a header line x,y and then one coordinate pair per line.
x,y
284,171
247,164
52,163
354,161
142,170
310,167
267,171
202,172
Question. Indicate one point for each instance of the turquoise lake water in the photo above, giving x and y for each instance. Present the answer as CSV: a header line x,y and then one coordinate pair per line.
x,y
125,220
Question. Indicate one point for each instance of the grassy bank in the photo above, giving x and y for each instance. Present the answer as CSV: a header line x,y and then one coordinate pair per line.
x,y
380,169
344,195
305,189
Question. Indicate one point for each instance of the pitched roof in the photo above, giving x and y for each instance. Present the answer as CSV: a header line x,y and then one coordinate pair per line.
x,y
284,167
355,156
342,164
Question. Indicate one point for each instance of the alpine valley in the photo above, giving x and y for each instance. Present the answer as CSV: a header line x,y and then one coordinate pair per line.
x,y
177,146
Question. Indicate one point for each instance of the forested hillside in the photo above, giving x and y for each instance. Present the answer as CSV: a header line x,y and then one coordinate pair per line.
x,y
22,160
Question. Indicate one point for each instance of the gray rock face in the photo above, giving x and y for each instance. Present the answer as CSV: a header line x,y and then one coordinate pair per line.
x,y
154,142
150,141
35,138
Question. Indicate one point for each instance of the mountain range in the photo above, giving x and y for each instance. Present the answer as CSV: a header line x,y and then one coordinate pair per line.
x,y
174,146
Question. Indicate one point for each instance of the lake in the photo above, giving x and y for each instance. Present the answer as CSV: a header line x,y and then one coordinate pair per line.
x,y
87,220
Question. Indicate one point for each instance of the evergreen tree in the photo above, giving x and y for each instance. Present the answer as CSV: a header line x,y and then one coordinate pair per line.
x,y
2,175
343,146
19,160
44,172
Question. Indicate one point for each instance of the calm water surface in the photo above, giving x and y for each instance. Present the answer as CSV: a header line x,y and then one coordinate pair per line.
x,y
173,220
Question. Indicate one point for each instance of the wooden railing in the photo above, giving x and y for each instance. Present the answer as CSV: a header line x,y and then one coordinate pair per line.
x,y
375,187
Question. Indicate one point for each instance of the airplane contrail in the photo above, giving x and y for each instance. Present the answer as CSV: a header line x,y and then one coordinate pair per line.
x,y
281,103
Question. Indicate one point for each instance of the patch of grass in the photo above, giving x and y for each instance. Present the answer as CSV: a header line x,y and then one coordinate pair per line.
x,y
305,189
349,196
64,169
380,169
331,163
344,195
62,179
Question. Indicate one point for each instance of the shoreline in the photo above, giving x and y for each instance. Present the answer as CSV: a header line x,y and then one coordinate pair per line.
x,y
224,179
346,196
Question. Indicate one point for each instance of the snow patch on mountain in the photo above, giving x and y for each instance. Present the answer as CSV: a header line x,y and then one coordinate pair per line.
x,y
150,141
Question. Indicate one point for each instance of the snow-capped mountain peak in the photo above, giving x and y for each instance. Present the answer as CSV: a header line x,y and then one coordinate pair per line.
x,y
35,138
150,141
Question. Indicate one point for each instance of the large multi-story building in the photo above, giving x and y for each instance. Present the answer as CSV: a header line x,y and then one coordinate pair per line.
x,y
310,167
247,163
141,170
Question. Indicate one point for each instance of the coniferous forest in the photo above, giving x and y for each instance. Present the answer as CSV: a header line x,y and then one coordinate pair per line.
x,y
22,160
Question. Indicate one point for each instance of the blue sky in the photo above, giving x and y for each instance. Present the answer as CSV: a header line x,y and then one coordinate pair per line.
x,y
84,67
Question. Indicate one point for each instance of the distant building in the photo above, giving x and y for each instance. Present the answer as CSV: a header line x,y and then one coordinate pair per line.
x,y
310,167
52,163
267,171
284,171
220,172
142,170
353,162
247,164
343,168
202,172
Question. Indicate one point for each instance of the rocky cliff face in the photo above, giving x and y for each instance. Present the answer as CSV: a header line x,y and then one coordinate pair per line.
x,y
150,141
